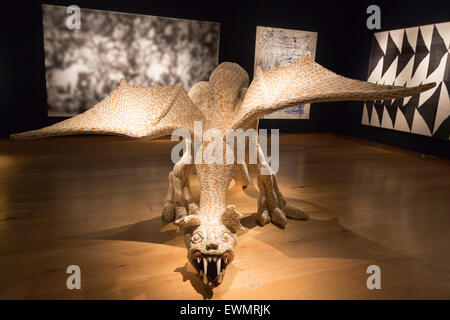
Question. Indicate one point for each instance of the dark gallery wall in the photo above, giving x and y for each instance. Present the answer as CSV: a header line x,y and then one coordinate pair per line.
x,y
343,46
395,15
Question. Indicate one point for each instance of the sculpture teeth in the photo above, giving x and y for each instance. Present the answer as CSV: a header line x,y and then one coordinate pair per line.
x,y
209,283
201,273
205,266
226,259
220,278
209,259
205,279
219,262
215,259
198,260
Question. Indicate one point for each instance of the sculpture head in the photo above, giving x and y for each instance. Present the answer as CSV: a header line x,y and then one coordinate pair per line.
x,y
210,240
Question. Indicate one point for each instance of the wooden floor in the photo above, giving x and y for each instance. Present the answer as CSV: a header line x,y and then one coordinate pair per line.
x,y
96,201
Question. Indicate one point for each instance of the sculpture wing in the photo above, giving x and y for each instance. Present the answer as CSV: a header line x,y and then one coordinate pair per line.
x,y
142,112
218,97
305,81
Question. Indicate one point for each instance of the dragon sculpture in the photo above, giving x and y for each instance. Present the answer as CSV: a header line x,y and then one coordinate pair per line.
x,y
224,102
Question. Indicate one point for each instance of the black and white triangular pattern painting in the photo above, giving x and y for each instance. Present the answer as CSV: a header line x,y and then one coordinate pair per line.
x,y
410,57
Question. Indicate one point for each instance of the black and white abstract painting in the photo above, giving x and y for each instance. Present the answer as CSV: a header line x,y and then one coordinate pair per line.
x,y
410,57
275,48
84,65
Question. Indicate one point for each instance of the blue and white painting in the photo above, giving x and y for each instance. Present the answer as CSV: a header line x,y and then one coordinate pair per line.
x,y
276,48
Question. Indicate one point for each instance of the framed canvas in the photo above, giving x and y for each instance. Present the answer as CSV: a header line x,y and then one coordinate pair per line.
x,y
277,47
409,57
83,65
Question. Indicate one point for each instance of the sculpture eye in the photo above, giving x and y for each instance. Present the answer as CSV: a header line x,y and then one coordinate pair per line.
x,y
226,237
196,237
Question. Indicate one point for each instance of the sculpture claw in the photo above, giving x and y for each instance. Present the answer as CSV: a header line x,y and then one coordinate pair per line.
x,y
168,214
295,213
179,199
192,208
272,206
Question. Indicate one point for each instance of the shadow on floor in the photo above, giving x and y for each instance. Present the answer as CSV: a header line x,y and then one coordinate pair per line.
x,y
188,274
301,239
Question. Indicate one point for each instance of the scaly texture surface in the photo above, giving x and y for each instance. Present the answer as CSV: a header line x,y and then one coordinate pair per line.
x,y
305,81
221,103
140,112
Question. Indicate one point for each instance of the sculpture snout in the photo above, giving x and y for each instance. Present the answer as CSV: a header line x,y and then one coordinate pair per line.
x,y
212,246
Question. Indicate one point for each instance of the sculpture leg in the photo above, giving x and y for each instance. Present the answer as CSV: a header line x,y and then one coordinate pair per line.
x,y
241,175
272,206
179,201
